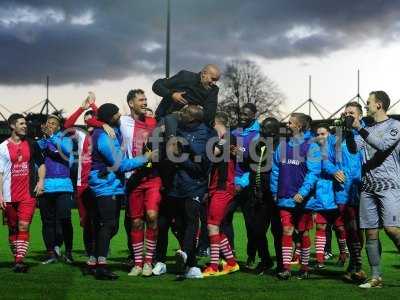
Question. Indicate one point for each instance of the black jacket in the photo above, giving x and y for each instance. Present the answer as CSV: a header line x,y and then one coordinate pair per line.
x,y
260,190
196,93
190,178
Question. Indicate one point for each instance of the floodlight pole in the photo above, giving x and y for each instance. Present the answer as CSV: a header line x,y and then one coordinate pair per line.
x,y
167,54
47,102
309,95
310,102
4,118
356,97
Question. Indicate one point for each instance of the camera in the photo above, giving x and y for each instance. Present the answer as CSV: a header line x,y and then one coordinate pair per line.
x,y
345,122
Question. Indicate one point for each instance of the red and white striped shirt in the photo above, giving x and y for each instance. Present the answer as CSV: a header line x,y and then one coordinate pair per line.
x,y
14,165
135,134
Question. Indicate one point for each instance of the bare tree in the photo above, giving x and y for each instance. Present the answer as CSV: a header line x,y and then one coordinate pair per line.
x,y
243,82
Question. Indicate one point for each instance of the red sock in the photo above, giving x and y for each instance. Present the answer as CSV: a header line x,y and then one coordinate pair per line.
x,y
215,241
12,239
137,237
287,248
227,250
22,244
320,241
305,251
151,242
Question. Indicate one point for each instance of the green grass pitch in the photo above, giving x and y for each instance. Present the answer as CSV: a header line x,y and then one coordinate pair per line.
x,y
60,281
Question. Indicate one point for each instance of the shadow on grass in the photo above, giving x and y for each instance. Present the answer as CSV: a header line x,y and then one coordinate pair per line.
x,y
391,251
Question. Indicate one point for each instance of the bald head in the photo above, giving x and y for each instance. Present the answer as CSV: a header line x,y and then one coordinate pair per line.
x,y
210,74
211,68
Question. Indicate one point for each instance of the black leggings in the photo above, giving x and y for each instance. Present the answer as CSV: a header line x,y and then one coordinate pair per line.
x,y
107,210
55,212
264,215
88,225
186,214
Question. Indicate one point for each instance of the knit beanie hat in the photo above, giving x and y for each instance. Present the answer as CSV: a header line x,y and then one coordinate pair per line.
x,y
106,112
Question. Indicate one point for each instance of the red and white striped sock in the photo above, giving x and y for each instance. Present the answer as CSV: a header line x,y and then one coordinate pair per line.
x,y
137,237
215,241
22,244
305,252
151,242
227,250
287,248
320,241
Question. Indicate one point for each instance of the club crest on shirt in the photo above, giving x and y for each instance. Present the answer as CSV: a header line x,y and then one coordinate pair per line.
x,y
394,132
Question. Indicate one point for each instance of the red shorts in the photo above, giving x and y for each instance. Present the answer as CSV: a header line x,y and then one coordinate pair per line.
x,y
145,197
301,220
218,206
348,213
85,203
334,218
20,211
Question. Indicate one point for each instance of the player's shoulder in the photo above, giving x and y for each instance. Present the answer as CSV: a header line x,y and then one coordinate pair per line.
x,y
393,122
126,118
126,121
4,144
186,73
393,127
4,147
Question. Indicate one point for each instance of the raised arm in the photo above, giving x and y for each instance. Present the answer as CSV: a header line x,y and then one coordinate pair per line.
x,y
389,139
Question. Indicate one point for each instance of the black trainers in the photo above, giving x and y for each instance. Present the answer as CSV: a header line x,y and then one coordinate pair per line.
x,y
284,275
251,263
103,273
50,259
328,255
263,268
203,252
319,267
303,275
68,258
20,268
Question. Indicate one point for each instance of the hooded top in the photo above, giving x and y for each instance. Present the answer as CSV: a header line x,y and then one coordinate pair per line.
x,y
57,152
109,164
295,173
244,137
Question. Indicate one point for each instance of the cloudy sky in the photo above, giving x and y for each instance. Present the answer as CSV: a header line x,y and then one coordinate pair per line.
x,y
112,46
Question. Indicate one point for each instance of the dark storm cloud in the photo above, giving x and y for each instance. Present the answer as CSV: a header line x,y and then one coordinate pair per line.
x,y
82,41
